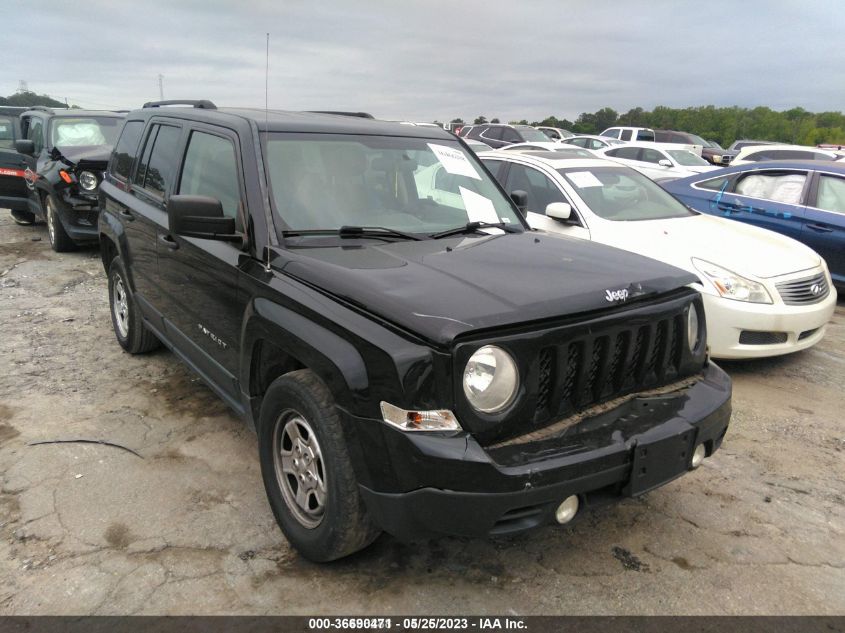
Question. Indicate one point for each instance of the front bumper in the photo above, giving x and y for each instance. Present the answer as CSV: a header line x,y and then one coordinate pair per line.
x,y
417,484
79,215
802,326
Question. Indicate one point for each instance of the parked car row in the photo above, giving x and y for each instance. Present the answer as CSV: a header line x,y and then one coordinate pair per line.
x,y
412,355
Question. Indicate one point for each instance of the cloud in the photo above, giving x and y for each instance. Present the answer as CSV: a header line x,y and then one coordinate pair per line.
x,y
436,59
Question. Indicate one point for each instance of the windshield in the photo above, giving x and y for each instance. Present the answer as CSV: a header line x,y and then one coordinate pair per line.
x,y
532,134
413,185
697,140
686,158
620,194
713,145
89,130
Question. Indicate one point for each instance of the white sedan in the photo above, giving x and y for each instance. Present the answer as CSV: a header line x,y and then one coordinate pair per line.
x,y
658,160
764,294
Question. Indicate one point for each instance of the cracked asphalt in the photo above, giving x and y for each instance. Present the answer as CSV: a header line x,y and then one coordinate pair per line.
x,y
185,528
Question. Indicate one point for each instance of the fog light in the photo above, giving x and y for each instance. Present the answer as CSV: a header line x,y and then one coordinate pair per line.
x,y
567,510
698,456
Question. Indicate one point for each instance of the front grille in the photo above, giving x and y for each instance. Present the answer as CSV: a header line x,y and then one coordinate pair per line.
x,y
749,337
726,159
604,365
804,291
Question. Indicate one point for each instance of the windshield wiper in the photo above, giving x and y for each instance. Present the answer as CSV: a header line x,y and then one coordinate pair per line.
x,y
355,231
472,227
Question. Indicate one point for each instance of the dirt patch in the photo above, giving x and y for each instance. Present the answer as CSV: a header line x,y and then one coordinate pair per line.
x,y
118,536
629,560
7,432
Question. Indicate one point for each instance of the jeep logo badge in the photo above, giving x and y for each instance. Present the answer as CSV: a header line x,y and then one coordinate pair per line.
x,y
616,295
816,289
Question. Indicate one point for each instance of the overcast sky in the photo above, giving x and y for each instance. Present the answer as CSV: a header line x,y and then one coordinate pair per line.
x,y
405,59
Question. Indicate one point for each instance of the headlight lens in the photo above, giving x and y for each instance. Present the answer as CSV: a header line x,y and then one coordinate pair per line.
x,y
88,180
692,327
491,379
731,285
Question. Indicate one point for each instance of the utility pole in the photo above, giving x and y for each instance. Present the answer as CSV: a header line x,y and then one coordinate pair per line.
x,y
22,86
161,87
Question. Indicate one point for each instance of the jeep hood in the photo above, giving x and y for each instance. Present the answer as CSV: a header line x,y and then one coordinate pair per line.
x,y
440,289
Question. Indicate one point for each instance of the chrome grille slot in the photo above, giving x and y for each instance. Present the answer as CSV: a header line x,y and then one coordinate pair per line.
x,y
804,291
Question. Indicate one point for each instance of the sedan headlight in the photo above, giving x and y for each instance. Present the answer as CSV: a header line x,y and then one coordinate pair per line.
x,y
491,379
732,286
87,180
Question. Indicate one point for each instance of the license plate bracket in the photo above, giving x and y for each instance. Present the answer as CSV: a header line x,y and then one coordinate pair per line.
x,y
659,460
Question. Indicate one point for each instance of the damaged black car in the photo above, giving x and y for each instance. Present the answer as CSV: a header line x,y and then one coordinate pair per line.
x,y
65,153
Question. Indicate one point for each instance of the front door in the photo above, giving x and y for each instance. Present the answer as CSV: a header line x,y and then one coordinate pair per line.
x,y
772,199
33,128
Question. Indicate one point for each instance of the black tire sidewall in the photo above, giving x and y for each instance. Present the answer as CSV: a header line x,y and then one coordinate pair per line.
x,y
318,544
62,241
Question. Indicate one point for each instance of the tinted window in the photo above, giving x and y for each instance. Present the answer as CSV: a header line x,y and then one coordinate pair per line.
x,y
156,171
127,147
493,165
552,134
831,194
7,135
539,187
580,142
612,132
645,135
510,135
626,135
630,153
36,134
494,133
714,184
210,169
649,155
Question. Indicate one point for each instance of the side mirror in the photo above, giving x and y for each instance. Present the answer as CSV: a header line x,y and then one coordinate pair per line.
x,y
520,199
664,163
200,216
559,210
25,146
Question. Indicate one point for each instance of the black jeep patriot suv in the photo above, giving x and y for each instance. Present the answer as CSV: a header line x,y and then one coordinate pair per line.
x,y
64,156
412,356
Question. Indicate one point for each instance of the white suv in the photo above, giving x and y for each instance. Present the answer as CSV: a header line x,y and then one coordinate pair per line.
x,y
630,133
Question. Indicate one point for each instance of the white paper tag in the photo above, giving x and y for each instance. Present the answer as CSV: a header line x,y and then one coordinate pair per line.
x,y
479,208
454,161
584,179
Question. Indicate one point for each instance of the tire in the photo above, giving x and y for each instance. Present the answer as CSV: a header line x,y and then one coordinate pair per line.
x,y
126,319
59,239
24,218
322,530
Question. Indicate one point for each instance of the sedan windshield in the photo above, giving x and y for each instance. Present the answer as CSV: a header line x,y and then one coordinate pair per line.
x,y
88,130
323,182
622,194
687,158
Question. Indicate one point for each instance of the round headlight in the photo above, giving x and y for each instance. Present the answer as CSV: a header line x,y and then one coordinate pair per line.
x,y
692,327
87,180
490,379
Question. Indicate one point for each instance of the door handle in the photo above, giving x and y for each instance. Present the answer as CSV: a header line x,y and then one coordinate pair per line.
x,y
169,242
126,215
820,228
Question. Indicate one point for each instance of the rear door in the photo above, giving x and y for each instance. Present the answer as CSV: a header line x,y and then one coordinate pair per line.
x,y
199,277
13,192
824,222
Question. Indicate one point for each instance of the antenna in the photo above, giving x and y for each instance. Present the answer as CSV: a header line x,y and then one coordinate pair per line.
x,y
161,87
266,123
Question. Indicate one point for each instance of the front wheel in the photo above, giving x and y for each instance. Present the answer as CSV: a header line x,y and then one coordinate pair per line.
x,y
24,218
307,471
59,239
126,318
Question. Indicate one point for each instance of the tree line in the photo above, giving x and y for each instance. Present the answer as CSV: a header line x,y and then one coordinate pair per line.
x,y
27,98
723,125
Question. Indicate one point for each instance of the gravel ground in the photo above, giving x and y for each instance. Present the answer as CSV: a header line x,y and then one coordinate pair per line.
x,y
185,528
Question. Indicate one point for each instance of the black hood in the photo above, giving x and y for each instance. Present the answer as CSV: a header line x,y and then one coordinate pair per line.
x,y
479,281
89,154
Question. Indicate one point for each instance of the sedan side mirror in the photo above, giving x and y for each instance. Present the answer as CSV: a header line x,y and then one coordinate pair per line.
x,y
520,199
25,146
559,210
200,216
664,162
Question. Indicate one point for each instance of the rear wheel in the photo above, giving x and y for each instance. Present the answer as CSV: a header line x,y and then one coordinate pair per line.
x,y
59,239
24,218
307,472
126,319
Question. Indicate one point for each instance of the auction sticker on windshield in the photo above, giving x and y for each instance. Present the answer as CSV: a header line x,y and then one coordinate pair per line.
x,y
454,161
583,179
479,208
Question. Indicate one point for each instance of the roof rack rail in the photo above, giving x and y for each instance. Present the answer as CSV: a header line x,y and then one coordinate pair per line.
x,y
41,108
202,104
360,115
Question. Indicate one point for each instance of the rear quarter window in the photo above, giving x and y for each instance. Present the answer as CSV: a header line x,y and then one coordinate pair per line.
x,y
125,150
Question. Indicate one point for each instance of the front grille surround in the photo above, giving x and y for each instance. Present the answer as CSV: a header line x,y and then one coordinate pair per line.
x,y
804,291
567,368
